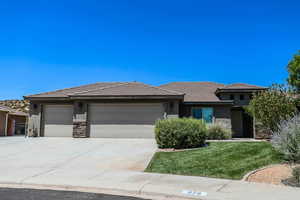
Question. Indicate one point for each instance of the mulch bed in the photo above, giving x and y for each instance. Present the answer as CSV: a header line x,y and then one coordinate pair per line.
x,y
277,174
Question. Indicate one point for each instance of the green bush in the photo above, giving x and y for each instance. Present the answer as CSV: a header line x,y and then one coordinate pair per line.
x,y
218,132
296,175
287,139
180,133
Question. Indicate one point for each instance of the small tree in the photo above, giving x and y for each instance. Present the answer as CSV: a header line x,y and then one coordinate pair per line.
x,y
294,72
271,106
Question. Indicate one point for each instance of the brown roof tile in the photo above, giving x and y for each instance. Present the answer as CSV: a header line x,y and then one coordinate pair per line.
x,y
110,89
196,91
128,89
241,86
70,91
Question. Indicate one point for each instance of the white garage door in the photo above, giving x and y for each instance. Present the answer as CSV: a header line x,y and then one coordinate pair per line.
x,y
124,120
58,120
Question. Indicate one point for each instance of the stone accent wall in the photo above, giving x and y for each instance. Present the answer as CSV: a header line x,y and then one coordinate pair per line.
x,y
172,109
80,120
222,115
80,129
34,122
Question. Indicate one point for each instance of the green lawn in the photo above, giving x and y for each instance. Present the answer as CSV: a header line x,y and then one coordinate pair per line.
x,y
231,160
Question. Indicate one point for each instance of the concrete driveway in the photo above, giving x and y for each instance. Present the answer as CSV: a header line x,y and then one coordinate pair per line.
x,y
56,160
113,166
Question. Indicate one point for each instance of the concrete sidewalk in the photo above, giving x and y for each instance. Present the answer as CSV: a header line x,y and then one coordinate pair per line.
x,y
162,185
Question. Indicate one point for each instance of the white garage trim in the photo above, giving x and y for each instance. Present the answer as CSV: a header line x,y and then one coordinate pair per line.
x,y
58,120
124,120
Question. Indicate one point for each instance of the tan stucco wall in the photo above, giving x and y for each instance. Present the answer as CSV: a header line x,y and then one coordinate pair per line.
x,y
80,115
237,100
222,113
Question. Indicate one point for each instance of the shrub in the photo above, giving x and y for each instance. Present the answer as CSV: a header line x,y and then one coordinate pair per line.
x,y
287,139
271,106
295,179
180,133
296,175
218,132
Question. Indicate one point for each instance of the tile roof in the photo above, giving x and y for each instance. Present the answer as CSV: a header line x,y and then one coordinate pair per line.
x,y
192,91
241,86
204,91
111,89
196,91
69,91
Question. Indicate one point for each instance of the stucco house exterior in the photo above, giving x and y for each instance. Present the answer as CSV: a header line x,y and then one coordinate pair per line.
x,y
130,109
12,122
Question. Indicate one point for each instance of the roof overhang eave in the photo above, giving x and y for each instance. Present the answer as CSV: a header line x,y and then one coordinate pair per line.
x,y
241,90
45,98
229,102
19,114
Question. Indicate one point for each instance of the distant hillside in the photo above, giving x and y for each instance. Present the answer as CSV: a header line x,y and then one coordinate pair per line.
x,y
20,105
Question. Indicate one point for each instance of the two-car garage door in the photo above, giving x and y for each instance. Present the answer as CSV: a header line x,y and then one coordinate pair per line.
x,y
109,120
128,120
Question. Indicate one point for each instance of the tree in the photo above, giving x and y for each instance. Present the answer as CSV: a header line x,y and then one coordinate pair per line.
x,y
294,72
271,106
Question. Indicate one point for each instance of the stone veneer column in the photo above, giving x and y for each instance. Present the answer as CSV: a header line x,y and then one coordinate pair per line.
x,y
34,121
80,120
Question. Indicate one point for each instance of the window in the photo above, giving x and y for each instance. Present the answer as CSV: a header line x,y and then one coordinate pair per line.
x,y
231,97
207,115
197,113
242,97
203,113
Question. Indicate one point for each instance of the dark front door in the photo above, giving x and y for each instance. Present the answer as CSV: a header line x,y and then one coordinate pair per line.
x,y
247,125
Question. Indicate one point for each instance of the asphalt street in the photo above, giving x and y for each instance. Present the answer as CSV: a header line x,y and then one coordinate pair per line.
x,y
30,194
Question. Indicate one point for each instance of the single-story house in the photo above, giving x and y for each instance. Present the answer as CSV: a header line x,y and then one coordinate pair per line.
x,y
130,109
12,122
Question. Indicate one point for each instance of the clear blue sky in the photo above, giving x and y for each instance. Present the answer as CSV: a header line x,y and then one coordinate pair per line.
x,y
47,45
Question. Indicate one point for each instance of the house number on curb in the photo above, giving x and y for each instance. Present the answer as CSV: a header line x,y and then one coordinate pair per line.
x,y
193,193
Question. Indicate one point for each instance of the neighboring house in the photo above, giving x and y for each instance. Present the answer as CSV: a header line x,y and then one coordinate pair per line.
x,y
12,122
130,109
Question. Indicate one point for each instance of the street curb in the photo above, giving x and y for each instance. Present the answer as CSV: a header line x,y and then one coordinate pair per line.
x,y
97,190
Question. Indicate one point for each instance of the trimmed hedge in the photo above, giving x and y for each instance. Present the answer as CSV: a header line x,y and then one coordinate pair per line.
x,y
217,132
180,133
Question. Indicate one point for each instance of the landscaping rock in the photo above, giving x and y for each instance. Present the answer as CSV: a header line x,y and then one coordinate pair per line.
x,y
19,105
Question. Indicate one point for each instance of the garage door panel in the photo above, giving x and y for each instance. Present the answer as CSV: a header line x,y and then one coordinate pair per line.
x,y
122,131
58,121
124,120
